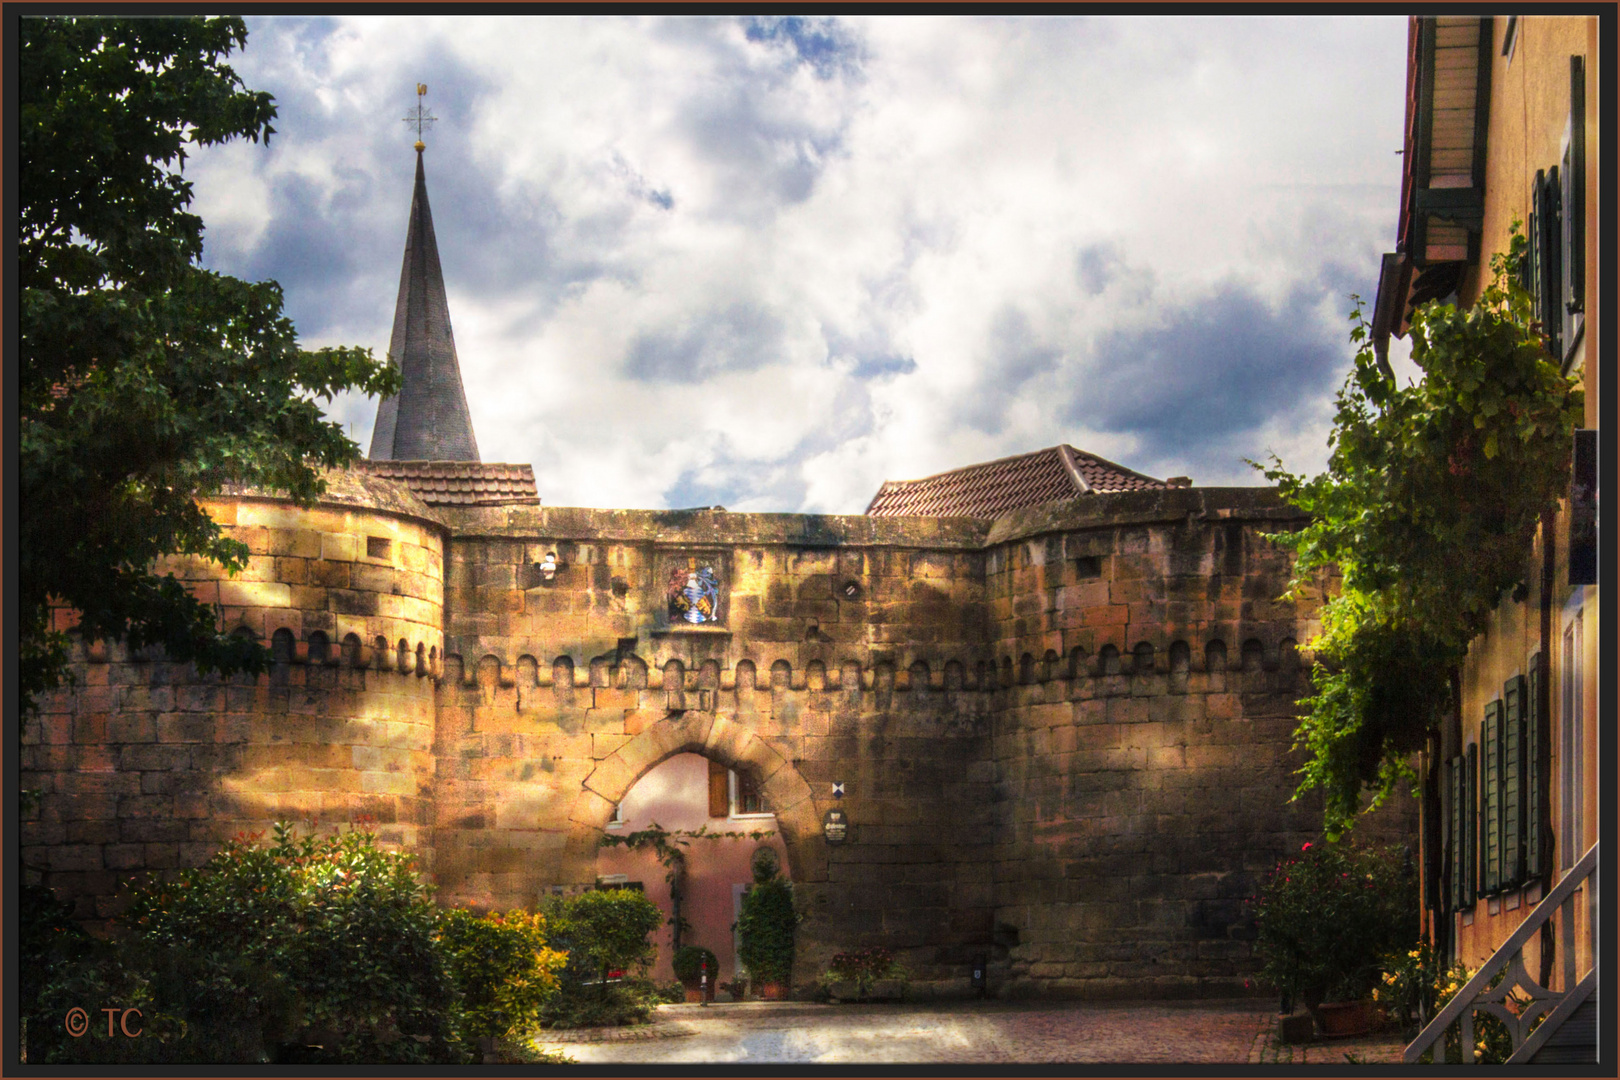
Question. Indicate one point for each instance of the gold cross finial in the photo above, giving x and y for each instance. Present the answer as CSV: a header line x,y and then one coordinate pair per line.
x,y
421,118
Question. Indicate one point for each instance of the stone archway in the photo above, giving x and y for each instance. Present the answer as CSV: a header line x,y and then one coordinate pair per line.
x,y
733,745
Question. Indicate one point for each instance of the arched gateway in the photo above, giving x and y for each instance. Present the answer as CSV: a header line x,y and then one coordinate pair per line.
x,y
717,738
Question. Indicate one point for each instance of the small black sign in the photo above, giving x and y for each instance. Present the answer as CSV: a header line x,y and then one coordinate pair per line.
x,y
835,826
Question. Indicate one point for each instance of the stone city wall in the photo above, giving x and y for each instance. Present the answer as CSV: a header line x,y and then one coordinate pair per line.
x,y
1063,736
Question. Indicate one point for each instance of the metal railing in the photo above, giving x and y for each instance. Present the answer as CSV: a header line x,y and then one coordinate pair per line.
x,y
1531,1000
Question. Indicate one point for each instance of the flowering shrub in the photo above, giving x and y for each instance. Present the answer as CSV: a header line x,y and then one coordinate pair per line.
x,y
1493,1045
864,968
1326,918
1407,990
315,949
344,928
503,969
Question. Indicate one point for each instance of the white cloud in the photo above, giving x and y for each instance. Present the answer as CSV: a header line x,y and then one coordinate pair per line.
x,y
771,265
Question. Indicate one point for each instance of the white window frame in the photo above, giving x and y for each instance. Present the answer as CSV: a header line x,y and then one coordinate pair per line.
x,y
1571,736
732,794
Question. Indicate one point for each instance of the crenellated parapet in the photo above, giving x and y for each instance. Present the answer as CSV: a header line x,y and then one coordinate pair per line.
x,y
1054,732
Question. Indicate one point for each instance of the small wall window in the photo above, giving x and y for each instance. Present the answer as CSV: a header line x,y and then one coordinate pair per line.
x,y
1088,566
379,547
617,820
745,797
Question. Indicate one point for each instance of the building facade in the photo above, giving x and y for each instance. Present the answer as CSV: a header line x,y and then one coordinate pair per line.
x,y
1502,129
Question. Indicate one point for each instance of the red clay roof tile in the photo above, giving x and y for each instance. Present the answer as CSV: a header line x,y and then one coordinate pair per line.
x,y
460,483
996,487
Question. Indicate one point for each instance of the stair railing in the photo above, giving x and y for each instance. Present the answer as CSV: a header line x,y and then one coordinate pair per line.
x,y
1480,996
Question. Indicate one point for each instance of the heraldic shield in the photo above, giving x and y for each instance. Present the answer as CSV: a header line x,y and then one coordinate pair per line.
x,y
693,592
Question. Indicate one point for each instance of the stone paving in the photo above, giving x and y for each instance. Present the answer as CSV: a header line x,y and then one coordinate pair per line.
x,y
1168,1032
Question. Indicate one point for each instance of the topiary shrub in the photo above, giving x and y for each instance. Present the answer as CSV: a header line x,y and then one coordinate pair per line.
x,y
603,932
504,971
765,926
689,961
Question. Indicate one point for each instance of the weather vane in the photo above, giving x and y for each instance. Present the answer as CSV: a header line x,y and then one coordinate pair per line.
x,y
421,118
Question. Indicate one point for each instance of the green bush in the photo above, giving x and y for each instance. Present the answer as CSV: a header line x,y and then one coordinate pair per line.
x,y
1328,917
603,932
345,930
689,961
865,967
503,969
765,925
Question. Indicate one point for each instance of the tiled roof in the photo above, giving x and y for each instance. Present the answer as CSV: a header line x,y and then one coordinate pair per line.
x,y
460,483
996,487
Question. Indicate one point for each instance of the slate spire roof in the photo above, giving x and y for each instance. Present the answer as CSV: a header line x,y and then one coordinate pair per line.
x,y
428,419
996,487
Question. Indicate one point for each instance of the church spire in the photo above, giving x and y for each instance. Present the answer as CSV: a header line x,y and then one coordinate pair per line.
x,y
428,419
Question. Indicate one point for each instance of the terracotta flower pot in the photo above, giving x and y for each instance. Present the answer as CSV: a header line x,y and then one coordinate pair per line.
x,y
1343,1019
772,991
695,992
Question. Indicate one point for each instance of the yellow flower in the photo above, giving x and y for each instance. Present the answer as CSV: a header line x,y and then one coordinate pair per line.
x,y
1413,954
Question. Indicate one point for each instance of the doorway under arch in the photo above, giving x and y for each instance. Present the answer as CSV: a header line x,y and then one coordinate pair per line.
x,y
688,792
795,818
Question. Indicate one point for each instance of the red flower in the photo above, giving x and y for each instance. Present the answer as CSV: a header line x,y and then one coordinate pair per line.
x,y
1305,846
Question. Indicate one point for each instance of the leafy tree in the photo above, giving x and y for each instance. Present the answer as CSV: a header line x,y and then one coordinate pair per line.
x,y
145,381
1426,513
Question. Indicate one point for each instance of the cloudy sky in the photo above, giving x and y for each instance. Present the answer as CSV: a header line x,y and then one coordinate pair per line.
x,y
769,263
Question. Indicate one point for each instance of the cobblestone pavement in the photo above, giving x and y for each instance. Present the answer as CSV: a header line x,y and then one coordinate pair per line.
x,y
1216,1032
1364,1049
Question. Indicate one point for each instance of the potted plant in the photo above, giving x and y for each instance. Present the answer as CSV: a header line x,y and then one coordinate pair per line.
x,y
765,926
698,971
866,975
1325,919
737,988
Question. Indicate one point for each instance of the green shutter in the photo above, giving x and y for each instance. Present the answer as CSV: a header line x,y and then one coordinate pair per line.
x,y
1457,831
1513,760
1548,239
1533,735
1471,827
1490,738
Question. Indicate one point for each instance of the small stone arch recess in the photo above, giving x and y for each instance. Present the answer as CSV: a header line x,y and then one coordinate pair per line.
x,y
733,745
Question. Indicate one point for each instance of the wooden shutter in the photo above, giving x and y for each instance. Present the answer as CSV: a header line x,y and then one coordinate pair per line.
x,y
1574,193
1490,738
1548,240
1534,734
1470,824
1454,829
1513,762
719,790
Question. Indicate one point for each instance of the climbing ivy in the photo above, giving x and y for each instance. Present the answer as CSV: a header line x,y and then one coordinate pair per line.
x,y
1429,504
668,847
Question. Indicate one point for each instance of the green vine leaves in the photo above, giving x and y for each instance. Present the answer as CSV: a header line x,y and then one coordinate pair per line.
x,y
1426,515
